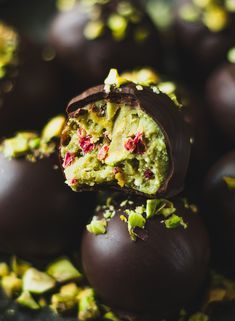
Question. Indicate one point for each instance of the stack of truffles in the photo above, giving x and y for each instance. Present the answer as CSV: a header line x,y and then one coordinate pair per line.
x,y
122,206
146,251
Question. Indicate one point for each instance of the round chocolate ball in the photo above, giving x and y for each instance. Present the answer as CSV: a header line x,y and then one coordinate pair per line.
x,y
221,98
204,31
165,262
39,215
92,38
29,85
219,194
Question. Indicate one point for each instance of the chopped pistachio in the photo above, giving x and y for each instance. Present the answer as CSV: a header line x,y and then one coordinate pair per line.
x,y
62,270
111,316
113,79
4,269
230,181
37,282
53,128
26,300
175,221
87,306
135,219
11,285
62,303
70,289
165,208
151,206
19,267
97,226
18,145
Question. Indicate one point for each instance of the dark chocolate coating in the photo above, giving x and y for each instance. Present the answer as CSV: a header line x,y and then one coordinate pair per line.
x,y
39,215
91,60
221,98
199,49
35,91
150,278
220,204
164,112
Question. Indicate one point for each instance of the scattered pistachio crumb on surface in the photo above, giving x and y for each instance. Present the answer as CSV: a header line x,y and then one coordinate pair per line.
x,y
26,300
151,206
97,226
87,306
135,219
174,221
37,282
11,284
19,266
62,270
4,269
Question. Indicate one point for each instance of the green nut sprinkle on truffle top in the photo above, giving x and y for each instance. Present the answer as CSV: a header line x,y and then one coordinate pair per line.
x,y
31,145
137,217
8,46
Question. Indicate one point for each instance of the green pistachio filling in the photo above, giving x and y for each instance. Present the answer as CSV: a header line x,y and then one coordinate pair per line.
x,y
114,143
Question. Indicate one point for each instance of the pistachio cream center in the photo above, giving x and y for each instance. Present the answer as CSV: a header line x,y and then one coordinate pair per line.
x,y
108,143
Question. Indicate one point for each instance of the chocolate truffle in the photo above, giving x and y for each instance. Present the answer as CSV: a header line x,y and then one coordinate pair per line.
x,y
95,36
221,99
204,31
39,215
219,194
125,136
29,86
136,253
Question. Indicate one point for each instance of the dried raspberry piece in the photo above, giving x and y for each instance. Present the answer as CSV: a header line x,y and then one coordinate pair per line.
x,y
69,158
73,182
136,144
85,141
148,174
103,152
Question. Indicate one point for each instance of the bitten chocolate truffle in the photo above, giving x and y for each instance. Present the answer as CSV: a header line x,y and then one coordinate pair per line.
x,y
97,35
219,194
221,98
147,259
39,215
125,136
29,86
